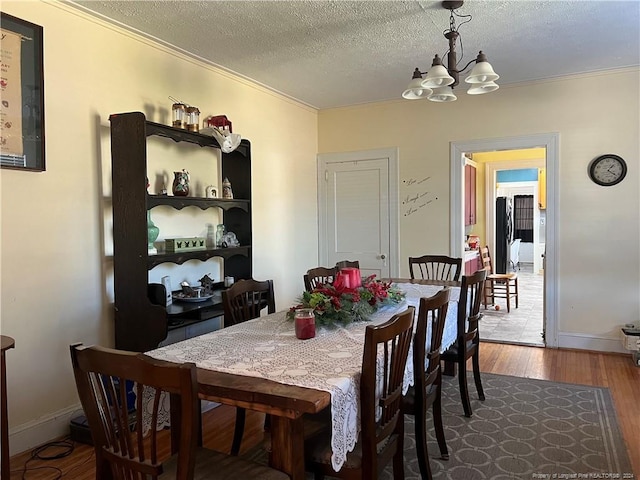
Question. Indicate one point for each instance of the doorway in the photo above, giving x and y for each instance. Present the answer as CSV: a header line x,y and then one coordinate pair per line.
x,y
550,143
519,177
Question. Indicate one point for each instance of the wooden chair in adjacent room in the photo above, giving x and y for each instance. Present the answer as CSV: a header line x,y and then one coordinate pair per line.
x,y
243,301
381,440
467,345
427,388
318,275
498,285
347,264
435,267
106,378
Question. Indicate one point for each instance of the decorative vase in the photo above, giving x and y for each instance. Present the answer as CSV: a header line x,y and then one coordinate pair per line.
x,y
181,183
152,232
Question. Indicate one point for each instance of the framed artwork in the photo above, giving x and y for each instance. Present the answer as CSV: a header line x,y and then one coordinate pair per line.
x,y
22,95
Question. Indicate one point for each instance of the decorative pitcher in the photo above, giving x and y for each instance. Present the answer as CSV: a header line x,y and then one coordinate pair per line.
x,y
181,183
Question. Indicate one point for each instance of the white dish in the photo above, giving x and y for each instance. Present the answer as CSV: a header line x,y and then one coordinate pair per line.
x,y
182,298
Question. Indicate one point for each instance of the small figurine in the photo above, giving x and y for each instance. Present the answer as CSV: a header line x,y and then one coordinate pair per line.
x,y
226,189
207,284
211,192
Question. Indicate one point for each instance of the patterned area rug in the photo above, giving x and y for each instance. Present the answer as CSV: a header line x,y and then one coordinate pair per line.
x,y
525,429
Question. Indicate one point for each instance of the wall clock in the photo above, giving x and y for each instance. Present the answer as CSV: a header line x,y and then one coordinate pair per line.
x,y
608,170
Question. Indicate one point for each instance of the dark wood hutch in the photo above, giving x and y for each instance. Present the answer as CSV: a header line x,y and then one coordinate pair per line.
x,y
142,321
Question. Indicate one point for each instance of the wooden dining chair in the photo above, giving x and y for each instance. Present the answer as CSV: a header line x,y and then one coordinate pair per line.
x,y
435,267
427,388
467,345
243,301
347,264
386,348
110,385
498,285
318,275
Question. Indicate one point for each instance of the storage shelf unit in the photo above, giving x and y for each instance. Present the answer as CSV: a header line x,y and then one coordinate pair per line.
x,y
142,321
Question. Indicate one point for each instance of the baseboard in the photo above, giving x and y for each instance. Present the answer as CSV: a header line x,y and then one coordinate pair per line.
x,y
581,341
53,426
37,432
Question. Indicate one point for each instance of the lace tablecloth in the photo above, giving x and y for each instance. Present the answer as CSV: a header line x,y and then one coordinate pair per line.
x,y
268,348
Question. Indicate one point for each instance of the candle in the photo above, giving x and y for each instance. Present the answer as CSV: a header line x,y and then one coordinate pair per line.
x,y
343,278
355,280
305,323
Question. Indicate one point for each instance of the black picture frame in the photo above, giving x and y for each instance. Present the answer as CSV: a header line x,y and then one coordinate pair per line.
x,y
32,97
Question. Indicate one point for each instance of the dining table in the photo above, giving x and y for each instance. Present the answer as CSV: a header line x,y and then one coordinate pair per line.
x,y
262,366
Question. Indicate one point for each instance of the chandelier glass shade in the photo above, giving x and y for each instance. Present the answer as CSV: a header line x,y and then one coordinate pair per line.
x,y
415,90
439,82
443,94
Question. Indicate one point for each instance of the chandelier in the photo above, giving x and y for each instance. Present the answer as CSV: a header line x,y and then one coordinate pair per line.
x,y
438,84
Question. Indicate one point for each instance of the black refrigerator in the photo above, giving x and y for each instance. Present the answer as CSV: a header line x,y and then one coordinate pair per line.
x,y
504,233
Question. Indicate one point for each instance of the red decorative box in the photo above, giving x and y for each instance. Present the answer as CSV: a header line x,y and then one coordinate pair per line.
x,y
220,121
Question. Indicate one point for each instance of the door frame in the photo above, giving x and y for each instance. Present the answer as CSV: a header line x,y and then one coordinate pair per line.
x,y
551,142
392,155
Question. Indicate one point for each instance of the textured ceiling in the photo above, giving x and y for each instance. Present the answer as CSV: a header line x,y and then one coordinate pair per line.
x,y
335,53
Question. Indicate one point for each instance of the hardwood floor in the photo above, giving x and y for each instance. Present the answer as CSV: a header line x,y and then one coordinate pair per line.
x,y
616,372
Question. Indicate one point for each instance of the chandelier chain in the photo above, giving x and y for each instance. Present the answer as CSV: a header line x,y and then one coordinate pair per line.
x,y
453,28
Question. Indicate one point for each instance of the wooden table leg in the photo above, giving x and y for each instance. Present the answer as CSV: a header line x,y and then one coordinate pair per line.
x,y
287,439
5,343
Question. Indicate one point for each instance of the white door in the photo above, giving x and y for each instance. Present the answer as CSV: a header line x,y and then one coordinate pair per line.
x,y
358,210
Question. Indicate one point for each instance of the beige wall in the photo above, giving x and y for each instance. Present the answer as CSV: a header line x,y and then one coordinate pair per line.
x,y
598,239
56,286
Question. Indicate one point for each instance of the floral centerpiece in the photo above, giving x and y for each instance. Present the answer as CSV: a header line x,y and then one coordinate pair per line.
x,y
336,303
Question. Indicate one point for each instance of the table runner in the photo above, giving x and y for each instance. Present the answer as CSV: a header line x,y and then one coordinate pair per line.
x,y
266,347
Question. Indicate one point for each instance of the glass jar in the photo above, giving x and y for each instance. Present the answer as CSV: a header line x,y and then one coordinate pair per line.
x,y
305,321
193,119
179,115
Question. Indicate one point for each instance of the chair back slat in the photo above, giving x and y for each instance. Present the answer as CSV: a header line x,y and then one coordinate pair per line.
x,y
347,264
471,295
317,276
435,267
432,313
485,256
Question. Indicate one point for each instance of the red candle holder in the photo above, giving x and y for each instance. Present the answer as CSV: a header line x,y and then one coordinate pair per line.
x,y
355,280
305,323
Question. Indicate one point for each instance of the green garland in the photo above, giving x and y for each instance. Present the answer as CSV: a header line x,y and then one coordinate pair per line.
x,y
335,304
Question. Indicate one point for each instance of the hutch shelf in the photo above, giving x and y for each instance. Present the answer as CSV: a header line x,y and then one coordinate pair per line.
x,y
142,321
